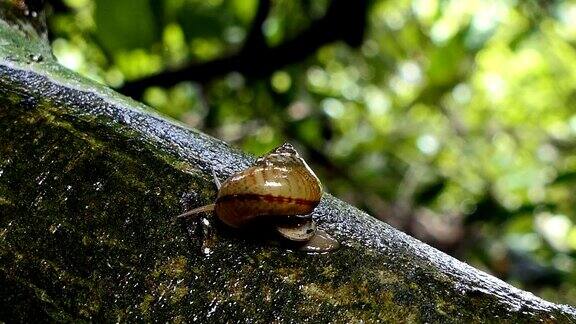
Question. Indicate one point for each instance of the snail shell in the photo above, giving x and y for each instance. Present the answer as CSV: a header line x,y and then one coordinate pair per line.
x,y
279,184
279,189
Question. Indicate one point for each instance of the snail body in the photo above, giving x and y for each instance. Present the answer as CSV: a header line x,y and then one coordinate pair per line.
x,y
278,189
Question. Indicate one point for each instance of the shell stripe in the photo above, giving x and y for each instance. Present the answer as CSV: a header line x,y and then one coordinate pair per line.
x,y
268,198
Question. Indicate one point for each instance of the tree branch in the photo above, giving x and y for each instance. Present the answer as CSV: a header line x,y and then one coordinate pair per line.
x,y
344,20
90,183
255,41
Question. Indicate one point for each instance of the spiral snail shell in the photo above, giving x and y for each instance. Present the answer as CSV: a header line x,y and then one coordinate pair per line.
x,y
279,189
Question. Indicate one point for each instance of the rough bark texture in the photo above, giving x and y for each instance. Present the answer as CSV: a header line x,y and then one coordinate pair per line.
x,y
90,182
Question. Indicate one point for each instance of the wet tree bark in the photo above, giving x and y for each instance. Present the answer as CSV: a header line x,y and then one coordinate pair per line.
x,y
90,182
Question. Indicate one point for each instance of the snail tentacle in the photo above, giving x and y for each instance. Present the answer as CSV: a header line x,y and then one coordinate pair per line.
x,y
195,211
216,180
206,208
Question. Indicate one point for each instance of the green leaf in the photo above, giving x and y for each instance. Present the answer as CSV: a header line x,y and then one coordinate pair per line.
x,y
125,25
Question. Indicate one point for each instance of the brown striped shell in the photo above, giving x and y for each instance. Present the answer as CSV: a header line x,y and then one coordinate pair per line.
x,y
279,189
278,184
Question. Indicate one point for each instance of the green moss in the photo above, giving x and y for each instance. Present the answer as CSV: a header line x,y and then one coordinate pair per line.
x,y
144,306
4,201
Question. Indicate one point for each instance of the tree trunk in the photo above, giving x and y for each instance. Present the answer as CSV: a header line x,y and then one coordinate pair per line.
x,y
90,182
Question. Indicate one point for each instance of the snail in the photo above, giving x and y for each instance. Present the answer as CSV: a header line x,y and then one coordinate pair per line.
x,y
280,190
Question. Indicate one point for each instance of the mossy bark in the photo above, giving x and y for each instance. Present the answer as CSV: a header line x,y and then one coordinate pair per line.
x,y
90,182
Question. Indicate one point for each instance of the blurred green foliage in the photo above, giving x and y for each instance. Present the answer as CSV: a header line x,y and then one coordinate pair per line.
x,y
455,121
